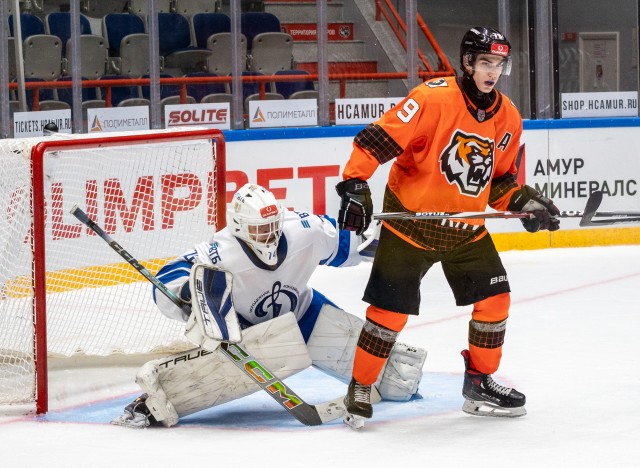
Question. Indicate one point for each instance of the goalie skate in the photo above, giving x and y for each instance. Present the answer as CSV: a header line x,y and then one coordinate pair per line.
x,y
136,415
484,397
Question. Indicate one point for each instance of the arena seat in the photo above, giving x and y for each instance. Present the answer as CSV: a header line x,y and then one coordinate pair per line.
x,y
134,55
199,91
93,56
254,23
42,56
58,23
116,26
29,25
166,90
287,88
119,93
65,94
220,59
271,52
175,44
206,24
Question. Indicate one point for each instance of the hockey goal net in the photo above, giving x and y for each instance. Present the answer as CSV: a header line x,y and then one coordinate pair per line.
x,y
63,291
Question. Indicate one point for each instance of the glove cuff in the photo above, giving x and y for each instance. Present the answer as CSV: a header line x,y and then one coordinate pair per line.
x,y
357,186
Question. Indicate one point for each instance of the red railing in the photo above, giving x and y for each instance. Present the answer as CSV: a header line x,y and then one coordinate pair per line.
x,y
385,9
183,82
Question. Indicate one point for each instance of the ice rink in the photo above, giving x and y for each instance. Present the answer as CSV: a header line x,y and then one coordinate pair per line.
x,y
570,347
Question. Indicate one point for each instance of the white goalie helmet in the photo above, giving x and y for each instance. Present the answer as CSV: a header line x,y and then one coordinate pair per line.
x,y
256,218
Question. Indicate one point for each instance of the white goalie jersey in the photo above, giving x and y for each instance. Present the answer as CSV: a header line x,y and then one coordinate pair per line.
x,y
262,292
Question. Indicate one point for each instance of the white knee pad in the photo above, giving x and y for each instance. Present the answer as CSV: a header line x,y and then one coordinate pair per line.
x,y
198,379
402,373
333,341
332,346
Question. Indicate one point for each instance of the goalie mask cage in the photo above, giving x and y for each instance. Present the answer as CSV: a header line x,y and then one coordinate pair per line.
x,y
63,291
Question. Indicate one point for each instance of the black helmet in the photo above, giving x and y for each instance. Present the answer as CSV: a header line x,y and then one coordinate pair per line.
x,y
481,40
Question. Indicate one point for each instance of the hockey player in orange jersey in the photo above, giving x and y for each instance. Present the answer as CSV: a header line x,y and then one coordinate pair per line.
x,y
453,142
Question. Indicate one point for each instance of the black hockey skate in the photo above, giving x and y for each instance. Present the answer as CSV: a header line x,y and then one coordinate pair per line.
x,y
484,397
357,404
136,414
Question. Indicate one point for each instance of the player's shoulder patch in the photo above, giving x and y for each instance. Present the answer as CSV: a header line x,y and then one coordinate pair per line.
x,y
437,83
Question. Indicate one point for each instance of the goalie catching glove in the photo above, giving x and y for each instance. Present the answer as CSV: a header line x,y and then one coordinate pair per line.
x,y
529,199
356,207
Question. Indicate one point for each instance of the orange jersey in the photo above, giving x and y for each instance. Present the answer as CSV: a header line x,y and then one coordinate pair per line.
x,y
447,156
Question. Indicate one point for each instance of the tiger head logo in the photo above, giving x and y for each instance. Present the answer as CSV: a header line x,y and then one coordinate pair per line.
x,y
468,162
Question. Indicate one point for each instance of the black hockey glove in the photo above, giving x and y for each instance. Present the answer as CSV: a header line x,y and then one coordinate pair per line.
x,y
356,206
529,199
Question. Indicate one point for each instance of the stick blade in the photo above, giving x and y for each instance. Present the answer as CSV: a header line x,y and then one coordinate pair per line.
x,y
593,203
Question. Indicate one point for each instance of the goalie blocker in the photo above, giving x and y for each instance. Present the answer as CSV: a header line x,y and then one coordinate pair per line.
x,y
195,380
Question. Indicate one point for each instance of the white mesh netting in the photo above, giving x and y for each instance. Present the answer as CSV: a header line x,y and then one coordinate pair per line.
x,y
156,199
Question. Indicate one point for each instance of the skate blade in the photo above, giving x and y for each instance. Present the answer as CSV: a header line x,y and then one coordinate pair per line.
x,y
483,408
354,422
124,420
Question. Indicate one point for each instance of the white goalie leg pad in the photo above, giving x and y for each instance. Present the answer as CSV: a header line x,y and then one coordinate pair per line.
x,y
401,375
333,341
332,346
198,379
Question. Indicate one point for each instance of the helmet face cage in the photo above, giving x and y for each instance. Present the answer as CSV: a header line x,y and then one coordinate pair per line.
x,y
481,40
257,218
262,232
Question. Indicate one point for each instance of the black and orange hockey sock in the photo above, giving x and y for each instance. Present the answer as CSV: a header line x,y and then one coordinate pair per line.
x,y
487,331
376,340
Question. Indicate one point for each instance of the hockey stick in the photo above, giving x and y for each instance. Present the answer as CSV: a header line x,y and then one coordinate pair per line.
x,y
615,217
310,415
585,216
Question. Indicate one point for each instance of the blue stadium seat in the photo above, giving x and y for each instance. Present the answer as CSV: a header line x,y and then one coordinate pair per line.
x,y
59,24
249,88
208,24
175,44
43,94
287,88
119,93
165,90
199,91
118,25
174,32
65,94
254,23
30,25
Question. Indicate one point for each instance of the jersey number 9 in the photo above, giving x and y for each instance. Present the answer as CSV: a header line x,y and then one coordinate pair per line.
x,y
409,109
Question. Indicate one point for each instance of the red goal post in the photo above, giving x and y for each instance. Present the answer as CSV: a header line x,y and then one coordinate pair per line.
x,y
63,292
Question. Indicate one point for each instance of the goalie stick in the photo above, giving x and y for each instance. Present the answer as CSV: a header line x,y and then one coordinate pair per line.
x,y
307,414
586,216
